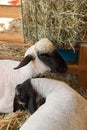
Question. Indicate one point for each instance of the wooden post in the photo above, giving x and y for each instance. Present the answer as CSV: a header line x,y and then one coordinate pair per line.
x,y
10,11
82,66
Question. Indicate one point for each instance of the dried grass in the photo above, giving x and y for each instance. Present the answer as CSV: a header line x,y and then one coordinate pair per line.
x,y
62,21
13,121
14,25
12,51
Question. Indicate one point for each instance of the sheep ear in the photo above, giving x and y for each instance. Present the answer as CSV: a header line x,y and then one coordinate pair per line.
x,y
25,61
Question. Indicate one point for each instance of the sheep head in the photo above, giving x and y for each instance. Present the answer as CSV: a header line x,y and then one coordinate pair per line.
x,y
44,57
25,97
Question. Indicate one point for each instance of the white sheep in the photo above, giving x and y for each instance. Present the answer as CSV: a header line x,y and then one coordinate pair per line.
x,y
38,59
64,109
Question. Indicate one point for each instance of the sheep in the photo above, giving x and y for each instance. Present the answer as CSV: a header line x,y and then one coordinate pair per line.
x,y
64,108
39,58
26,98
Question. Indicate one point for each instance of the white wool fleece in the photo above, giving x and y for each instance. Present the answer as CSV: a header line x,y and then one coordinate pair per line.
x,y
42,46
64,108
8,81
9,78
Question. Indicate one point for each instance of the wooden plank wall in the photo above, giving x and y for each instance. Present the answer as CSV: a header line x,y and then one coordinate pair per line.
x,y
10,11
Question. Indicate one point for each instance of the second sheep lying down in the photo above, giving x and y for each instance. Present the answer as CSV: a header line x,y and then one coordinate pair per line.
x,y
64,108
39,58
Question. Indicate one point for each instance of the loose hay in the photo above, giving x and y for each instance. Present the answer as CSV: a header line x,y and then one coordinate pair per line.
x,y
13,121
62,21
12,51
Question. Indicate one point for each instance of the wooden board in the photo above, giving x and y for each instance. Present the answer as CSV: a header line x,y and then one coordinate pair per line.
x,y
11,37
9,11
83,55
81,68
16,43
72,68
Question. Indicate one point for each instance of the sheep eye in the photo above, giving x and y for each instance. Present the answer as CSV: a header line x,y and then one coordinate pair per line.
x,y
45,54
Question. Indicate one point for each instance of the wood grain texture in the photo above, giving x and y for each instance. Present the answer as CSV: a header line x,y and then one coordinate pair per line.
x,y
81,68
83,55
11,37
9,11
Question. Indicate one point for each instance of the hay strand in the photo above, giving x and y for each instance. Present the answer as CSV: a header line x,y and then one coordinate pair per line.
x,y
63,22
13,121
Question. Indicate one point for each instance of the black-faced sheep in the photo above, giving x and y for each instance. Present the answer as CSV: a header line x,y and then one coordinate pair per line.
x,y
26,98
39,58
64,108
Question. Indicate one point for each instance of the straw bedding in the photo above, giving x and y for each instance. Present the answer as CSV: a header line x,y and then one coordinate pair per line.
x,y
13,121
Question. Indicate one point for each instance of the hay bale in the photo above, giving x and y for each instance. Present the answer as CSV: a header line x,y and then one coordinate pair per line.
x,y
63,22
13,121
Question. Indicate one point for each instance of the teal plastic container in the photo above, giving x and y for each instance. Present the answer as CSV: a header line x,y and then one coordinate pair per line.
x,y
69,55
